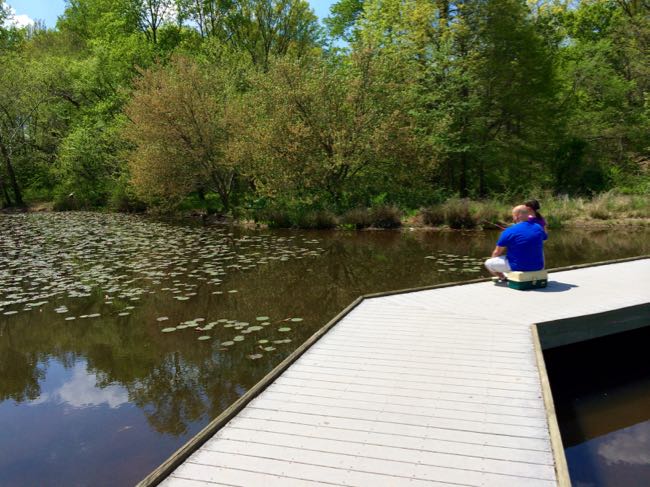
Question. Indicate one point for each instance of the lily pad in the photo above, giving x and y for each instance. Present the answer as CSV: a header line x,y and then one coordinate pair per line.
x,y
284,329
168,330
227,344
204,337
255,356
162,318
262,318
238,338
296,320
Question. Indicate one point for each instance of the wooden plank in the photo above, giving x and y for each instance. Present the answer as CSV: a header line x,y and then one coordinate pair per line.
x,y
303,463
301,394
401,428
389,453
561,467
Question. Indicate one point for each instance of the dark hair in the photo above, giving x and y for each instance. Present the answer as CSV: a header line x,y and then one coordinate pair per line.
x,y
534,205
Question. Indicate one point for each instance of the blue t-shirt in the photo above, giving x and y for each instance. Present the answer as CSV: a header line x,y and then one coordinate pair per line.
x,y
525,243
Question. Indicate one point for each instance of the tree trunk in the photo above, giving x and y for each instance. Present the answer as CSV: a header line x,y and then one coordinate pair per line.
x,y
462,186
12,175
482,188
5,194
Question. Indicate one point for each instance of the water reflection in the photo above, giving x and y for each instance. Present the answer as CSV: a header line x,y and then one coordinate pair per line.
x,y
601,390
620,458
630,445
108,395
81,390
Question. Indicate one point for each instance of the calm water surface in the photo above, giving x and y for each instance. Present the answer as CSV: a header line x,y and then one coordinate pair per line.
x,y
94,392
601,390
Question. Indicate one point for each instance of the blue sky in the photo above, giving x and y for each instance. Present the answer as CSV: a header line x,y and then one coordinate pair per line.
x,y
49,10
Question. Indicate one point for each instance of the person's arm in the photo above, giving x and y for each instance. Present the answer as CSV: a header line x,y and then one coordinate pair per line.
x,y
498,251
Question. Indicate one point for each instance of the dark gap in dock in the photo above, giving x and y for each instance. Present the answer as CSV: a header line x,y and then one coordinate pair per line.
x,y
600,379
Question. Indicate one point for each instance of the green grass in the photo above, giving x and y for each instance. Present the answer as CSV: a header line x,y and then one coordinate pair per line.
x,y
557,210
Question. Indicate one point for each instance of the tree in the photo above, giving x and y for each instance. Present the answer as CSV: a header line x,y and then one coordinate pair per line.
x,y
152,14
209,16
327,129
344,14
266,28
180,128
474,62
606,81
21,96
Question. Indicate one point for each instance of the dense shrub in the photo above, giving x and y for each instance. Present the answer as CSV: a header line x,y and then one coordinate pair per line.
x,y
434,215
458,214
489,212
386,216
318,220
69,202
124,201
358,218
275,218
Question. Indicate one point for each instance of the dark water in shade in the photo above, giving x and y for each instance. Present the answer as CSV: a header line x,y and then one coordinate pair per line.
x,y
104,398
601,390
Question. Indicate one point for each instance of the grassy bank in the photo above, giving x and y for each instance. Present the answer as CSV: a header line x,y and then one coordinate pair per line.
x,y
456,213
558,211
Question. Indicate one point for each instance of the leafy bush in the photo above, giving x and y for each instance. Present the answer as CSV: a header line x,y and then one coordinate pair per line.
x,y
554,222
318,220
275,218
489,211
87,166
69,203
358,218
124,201
386,216
458,214
434,215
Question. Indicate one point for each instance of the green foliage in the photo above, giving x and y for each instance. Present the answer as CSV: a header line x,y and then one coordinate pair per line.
x,y
324,129
458,214
358,218
232,105
88,164
182,133
344,14
317,220
433,216
386,216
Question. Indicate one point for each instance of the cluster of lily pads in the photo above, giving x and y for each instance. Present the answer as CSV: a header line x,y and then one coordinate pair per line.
x,y
242,328
456,263
47,257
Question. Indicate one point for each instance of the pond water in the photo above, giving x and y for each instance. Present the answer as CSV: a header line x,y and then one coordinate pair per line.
x,y
121,337
601,390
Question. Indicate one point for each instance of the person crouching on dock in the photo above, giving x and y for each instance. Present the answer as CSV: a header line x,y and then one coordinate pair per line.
x,y
522,244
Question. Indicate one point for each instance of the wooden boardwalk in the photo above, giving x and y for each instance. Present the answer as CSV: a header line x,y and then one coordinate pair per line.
x,y
439,387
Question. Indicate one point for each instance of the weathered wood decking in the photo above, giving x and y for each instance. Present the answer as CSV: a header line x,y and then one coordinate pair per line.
x,y
439,387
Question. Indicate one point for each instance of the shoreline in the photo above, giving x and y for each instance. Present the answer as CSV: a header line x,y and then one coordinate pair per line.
x,y
408,224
